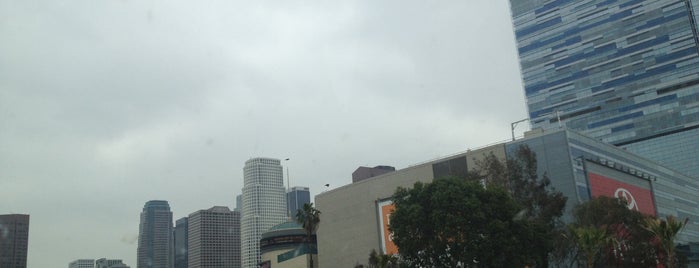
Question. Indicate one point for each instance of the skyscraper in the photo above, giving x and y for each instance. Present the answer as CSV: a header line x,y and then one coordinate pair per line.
x,y
239,202
14,240
155,236
295,199
625,72
181,235
214,238
264,205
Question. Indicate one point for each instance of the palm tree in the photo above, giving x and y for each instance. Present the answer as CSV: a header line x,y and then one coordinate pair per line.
x,y
665,232
589,241
309,218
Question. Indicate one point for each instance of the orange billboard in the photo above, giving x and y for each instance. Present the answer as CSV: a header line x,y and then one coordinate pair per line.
x,y
385,210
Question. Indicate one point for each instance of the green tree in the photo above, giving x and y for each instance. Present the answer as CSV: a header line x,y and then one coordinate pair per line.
x,y
589,241
452,222
309,218
624,226
665,231
377,260
542,206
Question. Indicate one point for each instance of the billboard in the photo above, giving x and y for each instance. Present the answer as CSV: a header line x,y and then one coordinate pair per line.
x,y
385,208
637,198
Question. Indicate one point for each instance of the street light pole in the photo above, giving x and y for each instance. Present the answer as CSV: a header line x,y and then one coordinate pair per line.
x,y
288,189
514,124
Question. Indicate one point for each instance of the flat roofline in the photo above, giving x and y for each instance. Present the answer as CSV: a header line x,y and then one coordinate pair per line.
x,y
418,165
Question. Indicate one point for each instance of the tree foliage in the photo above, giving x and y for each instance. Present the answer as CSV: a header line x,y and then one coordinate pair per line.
x,y
624,226
634,239
309,218
542,206
377,260
455,223
664,233
589,242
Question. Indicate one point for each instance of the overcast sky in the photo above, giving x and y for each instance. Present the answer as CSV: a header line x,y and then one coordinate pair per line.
x,y
105,105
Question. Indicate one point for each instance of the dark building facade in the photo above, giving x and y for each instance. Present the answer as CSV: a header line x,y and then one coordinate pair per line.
x,y
155,243
295,199
623,72
14,240
363,173
180,236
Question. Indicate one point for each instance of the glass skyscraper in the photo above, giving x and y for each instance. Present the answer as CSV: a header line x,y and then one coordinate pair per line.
x,y
264,205
295,199
625,72
155,236
180,236
14,240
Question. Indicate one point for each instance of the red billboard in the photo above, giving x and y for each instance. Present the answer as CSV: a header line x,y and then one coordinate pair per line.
x,y
637,198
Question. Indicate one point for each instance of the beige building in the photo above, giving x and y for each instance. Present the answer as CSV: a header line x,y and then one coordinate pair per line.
x,y
354,217
352,222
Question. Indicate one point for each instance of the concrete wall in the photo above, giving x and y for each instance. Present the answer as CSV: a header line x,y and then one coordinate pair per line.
x,y
349,224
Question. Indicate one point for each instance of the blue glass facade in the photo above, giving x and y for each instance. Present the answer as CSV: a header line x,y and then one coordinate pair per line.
x,y
625,72
296,198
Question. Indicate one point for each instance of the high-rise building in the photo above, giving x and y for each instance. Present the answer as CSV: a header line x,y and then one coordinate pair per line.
x,y
14,240
625,72
155,236
239,202
107,263
181,236
295,199
214,238
82,263
264,205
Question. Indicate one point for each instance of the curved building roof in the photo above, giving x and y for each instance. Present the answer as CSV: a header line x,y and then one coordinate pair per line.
x,y
285,228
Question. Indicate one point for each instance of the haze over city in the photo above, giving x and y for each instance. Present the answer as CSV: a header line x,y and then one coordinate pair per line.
x,y
106,105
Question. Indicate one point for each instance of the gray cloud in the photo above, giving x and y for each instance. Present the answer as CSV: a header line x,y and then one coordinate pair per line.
x,y
105,105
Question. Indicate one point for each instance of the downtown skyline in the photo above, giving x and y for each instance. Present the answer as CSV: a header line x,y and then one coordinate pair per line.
x,y
108,105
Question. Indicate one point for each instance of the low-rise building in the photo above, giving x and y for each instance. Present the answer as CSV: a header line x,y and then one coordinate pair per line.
x,y
286,246
355,217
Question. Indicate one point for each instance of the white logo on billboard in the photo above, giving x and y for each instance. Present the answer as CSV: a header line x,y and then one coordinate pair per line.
x,y
624,194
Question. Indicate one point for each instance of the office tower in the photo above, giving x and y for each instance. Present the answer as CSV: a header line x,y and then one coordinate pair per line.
x,y
296,198
14,240
82,263
624,72
363,173
264,205
181,236
239,202
107,263
155,236
214,238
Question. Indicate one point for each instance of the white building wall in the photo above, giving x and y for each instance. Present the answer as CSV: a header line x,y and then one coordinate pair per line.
x,y
264,205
